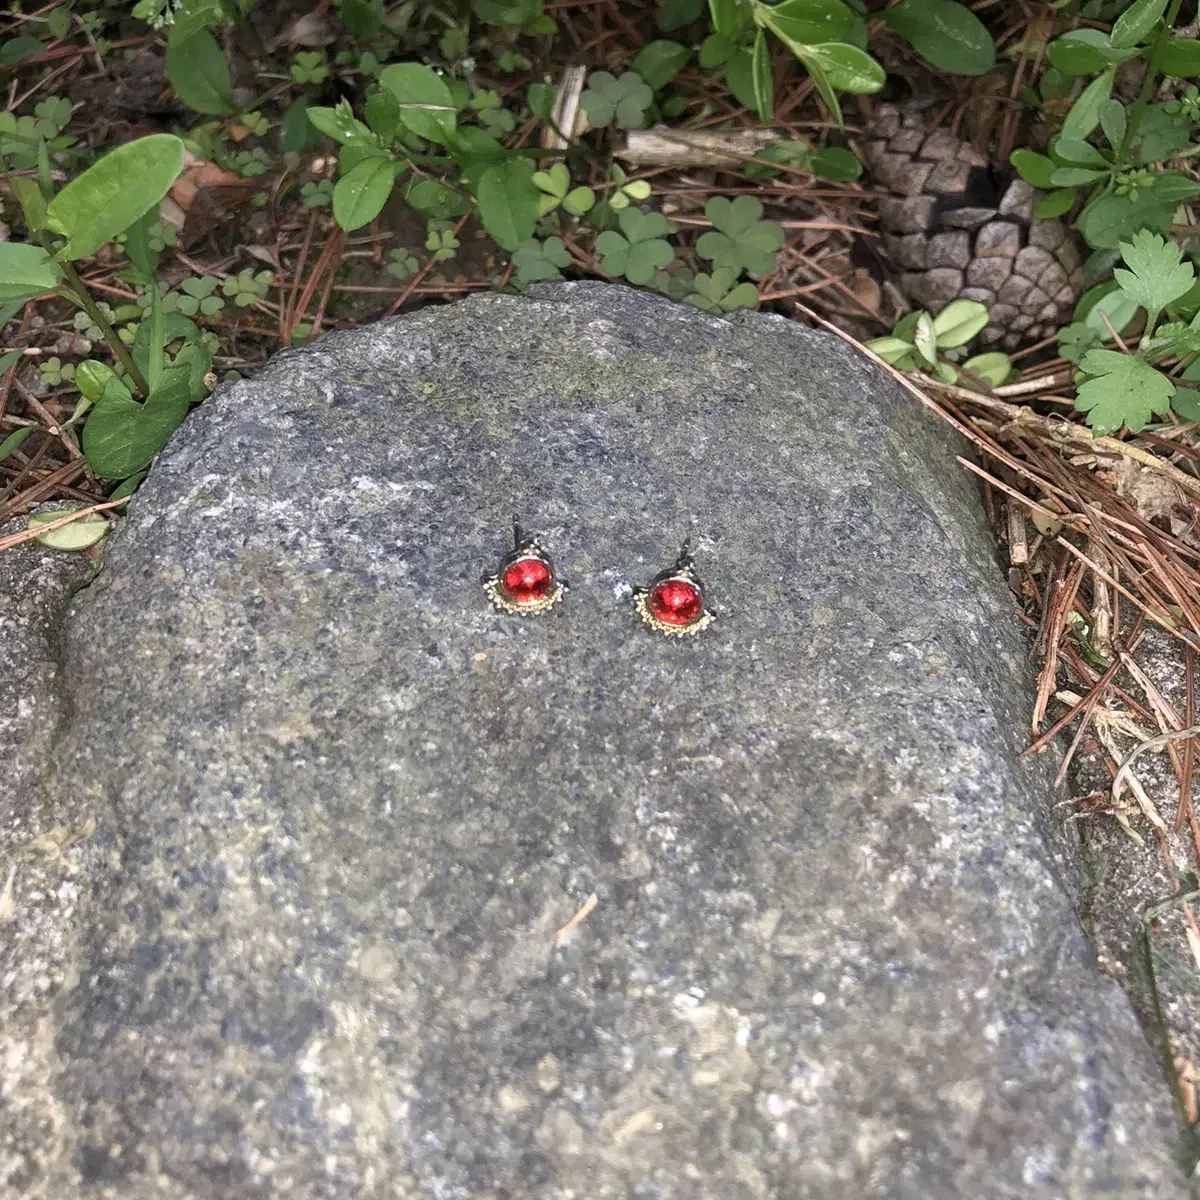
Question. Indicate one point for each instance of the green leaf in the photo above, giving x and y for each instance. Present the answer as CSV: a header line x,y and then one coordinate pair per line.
x,y
137,244
1084,115
835,163
659,62
540,98
890,349
78,535
717,293
508,202
1055,204
364,18
18,48
382,114
959,322
14,440
1156,276
1033,168
359,196
1113,121
1072,177
537,261
762,79
91,378
925,338
993,368
1085,51
296,132
1106,304
740,239
112,193
1185,404
945,33
846,68
32,202
199,73
728,17
808,22
1077,152
1108,217
1181,58
426,106
25,272
1162,133
623,101
1123,391
340,123
122,436
1137,22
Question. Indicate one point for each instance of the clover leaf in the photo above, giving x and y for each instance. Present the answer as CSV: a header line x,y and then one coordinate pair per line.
x,y
717,293
639,249
1123,390
537,261
739,238
555,186
624,100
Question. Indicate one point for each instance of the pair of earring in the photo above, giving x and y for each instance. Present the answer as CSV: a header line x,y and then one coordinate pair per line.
x,y
526,583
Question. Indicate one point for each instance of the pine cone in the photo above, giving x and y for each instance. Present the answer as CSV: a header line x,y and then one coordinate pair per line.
x,y
953,231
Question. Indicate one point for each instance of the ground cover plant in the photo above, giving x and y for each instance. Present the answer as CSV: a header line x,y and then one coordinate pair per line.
x,y
191,185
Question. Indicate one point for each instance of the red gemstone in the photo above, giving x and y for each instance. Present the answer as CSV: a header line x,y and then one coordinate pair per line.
x,y
676,602
528,580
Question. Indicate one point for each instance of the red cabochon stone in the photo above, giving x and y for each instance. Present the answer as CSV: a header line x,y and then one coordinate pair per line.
x,y
676,602
527,581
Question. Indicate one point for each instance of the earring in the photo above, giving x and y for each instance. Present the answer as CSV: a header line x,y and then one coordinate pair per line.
x,y
674,602
526,582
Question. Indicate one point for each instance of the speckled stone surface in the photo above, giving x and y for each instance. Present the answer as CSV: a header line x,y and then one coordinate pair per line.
x,y
344,808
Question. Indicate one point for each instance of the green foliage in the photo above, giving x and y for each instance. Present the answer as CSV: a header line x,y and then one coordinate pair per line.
x,y
54,370
945,33
403,264
198,71
317,193
1125,390
309,67
536,262
740,239
720,292
195,296
922,341
247,287
622,101
97,205
639,249
443,244
555,186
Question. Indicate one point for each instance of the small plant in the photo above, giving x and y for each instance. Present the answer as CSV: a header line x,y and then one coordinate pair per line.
x,y
921,341
442,244
402,264
537,262
639,249
54,371
309,66
195,296
622,101
1118,390
740,239
720,292
626,191
247,287
555,186
317,193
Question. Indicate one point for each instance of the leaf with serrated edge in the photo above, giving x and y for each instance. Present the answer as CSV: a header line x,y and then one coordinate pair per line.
x,y
1157,275
1123,391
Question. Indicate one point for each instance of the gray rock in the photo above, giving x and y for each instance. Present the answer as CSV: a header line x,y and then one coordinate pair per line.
x,y
344,806
35,584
